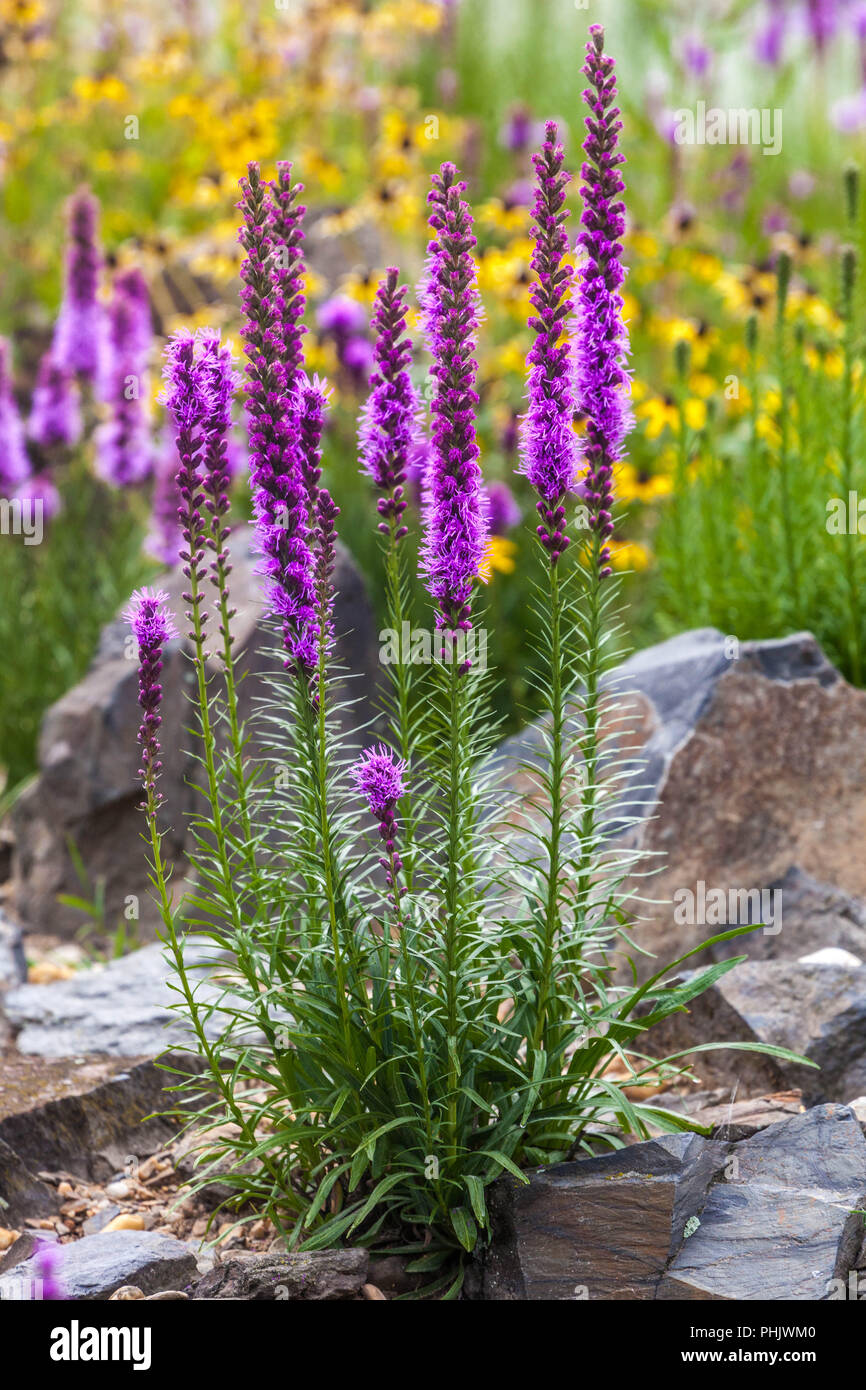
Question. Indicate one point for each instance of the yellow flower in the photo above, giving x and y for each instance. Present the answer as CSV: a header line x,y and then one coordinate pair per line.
x,y
660,413
91,90
695,412
499,555
633,485
494,213
629,555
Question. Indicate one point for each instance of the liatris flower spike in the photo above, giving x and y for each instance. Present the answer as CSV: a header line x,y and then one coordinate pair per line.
x,y
603,380
549,446
378,776
185,397
152,626
79,328
389,420
455,522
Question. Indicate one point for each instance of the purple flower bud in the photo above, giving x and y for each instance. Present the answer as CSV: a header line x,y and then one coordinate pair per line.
x,y
152,627
389,420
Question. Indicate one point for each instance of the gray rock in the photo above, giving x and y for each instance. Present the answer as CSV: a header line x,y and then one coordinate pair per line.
x,y
600,1227
743,767
818,1011
87,787
22,1194
785,1223
313,1277
93,1267
24,1246
118,1010
96,1130
13,966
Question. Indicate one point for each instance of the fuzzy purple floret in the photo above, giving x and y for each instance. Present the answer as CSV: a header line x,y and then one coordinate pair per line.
x,y
55,413
41,491
549,446
271,332
388,432
14,463
78,333
152,627
602,342
455,523
378,776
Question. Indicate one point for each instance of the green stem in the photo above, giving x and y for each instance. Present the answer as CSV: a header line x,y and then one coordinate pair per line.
x,y
554,866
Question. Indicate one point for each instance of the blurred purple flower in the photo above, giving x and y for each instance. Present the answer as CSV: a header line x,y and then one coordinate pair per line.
x,y
47,1260
79,327
40,489
341,316
503,513
695,56
123,444
801,184
165,537
14,463
518,131
152,625
55,414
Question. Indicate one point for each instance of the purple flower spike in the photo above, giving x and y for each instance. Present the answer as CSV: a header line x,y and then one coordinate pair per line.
x,y
312,403
218,387
389,420
14,463
285,231
273,361
378,776
186,399
152,627
455,524
602,376
78,332
123,440
549,445
55,416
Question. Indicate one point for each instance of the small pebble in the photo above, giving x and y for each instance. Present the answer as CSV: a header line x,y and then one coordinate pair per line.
x,y
373,1294
119,1191
126,1294
7,1237
126,1221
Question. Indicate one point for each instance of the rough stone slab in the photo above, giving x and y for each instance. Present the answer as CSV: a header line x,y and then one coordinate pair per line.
x,y
93,1132
818,1011
313,1277
22,1194
119,1010
13,966
93,1267
784,1224
600,1227
733,1120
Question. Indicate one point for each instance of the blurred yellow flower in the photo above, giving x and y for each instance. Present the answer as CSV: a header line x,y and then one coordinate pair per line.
x,y
499,555
629,555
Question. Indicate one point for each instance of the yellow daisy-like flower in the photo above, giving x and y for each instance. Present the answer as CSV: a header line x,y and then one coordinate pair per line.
x,y
695,412
499,555
630,555
636,485
660,413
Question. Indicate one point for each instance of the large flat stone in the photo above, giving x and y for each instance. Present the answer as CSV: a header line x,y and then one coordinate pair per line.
x,y
118,1010
818,1011
600,1227
93,1267
314,1277
785,1223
